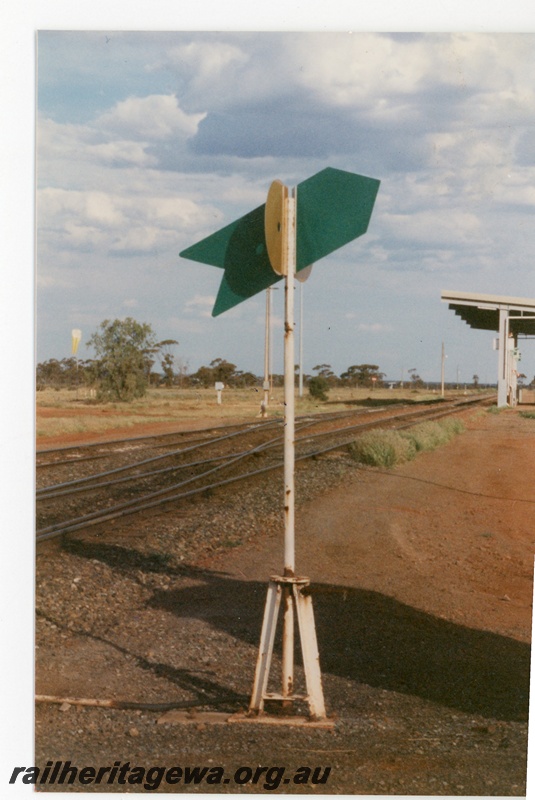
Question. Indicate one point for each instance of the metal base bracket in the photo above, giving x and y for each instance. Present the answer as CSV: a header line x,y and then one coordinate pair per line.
x,y
296,603
180,717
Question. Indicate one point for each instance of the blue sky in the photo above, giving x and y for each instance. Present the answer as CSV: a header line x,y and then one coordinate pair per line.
x,y
149,141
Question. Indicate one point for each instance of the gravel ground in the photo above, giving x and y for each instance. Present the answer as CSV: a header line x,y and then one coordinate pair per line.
x,y
134,612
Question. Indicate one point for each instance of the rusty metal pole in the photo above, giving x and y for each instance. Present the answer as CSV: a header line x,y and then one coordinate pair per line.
x,y
289,448
288,646
289,391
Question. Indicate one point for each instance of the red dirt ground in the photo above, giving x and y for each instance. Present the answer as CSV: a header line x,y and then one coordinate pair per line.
x,y
433,558
450,533
143,429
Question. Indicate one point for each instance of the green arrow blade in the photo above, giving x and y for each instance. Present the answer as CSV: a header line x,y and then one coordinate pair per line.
x,y
240,249
212,250
247,266
333,208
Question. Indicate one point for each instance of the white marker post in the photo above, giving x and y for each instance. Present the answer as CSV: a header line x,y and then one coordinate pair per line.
x,y
281,242
76,336
301,276
265,385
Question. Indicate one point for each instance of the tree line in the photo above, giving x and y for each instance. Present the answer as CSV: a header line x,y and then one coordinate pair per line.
x,y
129,358
123,368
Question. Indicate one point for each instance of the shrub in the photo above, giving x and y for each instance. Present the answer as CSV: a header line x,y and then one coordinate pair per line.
x,y
387,448
318,387
123,348
428,435
382,448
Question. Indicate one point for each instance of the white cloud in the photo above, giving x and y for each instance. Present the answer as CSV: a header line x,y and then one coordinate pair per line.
x,y
119,153
435,227
201,305
242,193
518,189
207,59
76,144
116,222
149,118
374,68
126,136
349,70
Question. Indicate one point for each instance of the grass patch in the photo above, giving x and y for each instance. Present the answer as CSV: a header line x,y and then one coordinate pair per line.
x,y
528,414
382,448
82,414
388,448
65,426
429,435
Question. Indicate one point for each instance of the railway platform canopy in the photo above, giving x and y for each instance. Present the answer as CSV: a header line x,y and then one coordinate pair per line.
x,y
511,317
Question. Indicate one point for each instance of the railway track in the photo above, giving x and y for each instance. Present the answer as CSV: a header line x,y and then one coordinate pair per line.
x,y
144,473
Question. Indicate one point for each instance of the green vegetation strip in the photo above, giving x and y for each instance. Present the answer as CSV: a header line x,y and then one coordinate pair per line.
x,y
385,448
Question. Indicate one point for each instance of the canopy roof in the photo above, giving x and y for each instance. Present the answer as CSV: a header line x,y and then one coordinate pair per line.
x,y
483,311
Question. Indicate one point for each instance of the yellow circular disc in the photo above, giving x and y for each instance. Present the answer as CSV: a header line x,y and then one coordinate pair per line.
x,y
275,225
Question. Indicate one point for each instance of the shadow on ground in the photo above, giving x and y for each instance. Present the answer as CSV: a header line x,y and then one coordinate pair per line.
x,y
363,636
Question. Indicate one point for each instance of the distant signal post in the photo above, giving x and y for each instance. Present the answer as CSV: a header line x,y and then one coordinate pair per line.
x,y
293,229
76,337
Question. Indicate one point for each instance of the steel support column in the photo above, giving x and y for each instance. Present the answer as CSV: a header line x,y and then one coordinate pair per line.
x,y
503,371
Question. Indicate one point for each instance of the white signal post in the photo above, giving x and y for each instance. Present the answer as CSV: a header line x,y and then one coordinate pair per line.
x,y
76,336
336,206
300,340
292,590
301,276
267,338
442,369
289,389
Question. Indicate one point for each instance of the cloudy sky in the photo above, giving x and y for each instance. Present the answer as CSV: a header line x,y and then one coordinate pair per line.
x,y
150,141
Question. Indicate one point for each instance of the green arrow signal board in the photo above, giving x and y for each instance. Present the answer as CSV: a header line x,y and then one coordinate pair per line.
x,y
333,208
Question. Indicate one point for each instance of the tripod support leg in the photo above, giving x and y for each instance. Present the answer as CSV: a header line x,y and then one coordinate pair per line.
x,y
265,651
295,600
